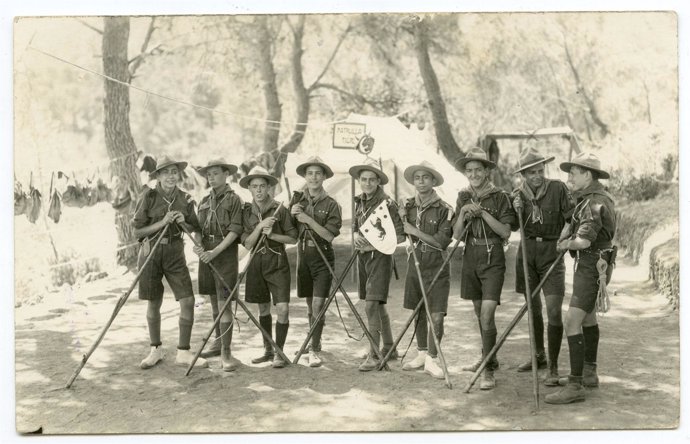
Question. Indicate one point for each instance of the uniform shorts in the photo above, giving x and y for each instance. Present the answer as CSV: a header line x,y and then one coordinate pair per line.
x,y
429,264
268,275
226,264
586,281
168,260
540,257
313,277
207,284
482,275
375,270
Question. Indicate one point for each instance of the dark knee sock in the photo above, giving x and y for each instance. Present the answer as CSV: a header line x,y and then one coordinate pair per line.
x,y
422,332
591,335
154,330
375,329
488,342
185,333
281,333
555,337
576,345
266,323
439,335
214,310
386,332
226,332
316,337
538,322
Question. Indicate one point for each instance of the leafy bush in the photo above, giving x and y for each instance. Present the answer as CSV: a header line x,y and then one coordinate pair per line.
x,y
636,189
69,267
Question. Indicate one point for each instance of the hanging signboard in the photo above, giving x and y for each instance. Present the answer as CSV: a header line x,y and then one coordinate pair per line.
x,y
347,135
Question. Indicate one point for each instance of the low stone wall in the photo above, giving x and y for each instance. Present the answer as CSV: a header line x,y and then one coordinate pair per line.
x,y
664,270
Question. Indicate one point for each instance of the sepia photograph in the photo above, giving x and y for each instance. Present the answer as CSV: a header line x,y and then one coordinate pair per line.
x,y
318,222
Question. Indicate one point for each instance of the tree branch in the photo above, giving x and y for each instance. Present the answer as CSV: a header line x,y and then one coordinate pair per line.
x,y
93,28
138,60
359,99
330,60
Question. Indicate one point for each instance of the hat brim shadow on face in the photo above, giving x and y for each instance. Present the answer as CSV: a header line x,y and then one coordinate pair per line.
x,y
356,170
565,167
461,163
408,174
302,169
244,182
231,169
533,164
180,166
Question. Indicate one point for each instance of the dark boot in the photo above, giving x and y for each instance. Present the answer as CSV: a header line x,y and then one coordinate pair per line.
x,y
573,392
553,378
541,363
589,375
266,323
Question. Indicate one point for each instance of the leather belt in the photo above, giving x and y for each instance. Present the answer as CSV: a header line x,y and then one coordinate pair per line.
x,y
489,241
540,239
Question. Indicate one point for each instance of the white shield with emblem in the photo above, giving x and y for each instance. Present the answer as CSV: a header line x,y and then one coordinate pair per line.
x,y
379,230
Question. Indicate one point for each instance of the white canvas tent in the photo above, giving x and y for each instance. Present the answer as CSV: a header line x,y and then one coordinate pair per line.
x,y
395,145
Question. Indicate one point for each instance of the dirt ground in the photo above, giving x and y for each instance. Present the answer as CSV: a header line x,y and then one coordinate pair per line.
x,y
638,367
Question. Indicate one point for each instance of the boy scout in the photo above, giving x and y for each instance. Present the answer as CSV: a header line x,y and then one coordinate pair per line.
x,y
315,210
589,239
374,266
165,205
491,217
220,217
545,205
427,219
268,273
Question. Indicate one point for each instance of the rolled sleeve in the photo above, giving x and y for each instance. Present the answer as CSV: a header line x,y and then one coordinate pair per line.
x,y
445,230
141,218
590,223
286,224
506,213
235,214
335,219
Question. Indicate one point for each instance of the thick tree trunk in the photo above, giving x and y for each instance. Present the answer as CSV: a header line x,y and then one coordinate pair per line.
x,y
444,135
270,88
118,136
301,92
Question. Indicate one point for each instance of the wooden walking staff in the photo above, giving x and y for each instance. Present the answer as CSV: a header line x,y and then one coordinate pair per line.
x,y
338,286
513,323
420,304
120,303
429,319
229,299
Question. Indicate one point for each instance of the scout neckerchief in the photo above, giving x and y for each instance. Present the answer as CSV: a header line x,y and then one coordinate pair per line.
x,y
422,206
537,215
213,209
170,200
363,212
478,194
259,212
312,201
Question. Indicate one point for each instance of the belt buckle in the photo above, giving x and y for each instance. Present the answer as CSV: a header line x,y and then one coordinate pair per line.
x,y
539,239
165,241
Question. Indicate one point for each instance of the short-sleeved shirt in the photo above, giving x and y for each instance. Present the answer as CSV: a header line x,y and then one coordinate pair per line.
x,y
556,208
252,215
364,207
433,219
154,204
322,208
594,217
497,203
221,213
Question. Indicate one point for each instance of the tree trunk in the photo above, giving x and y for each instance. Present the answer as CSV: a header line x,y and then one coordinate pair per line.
x,y
118,136
444,135
270,88
301,92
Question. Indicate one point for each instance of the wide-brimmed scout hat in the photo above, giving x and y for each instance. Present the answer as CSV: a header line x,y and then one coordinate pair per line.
x,y
588,161
255,172
530,157
355,170
477,154
425,166
220,162
166,161
314,161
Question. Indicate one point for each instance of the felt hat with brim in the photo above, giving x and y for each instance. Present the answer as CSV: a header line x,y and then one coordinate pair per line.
x,y
357,169
588,161
167,161
314,161
530,157
258,172
424,166
475,154
220,162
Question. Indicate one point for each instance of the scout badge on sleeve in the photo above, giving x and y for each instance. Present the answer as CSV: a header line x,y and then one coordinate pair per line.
x,y
379,230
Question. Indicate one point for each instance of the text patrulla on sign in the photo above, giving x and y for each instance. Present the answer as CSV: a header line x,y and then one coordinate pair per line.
x,y
347,135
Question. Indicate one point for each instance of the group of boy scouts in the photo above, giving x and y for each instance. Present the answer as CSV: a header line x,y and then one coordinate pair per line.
x,y
580,220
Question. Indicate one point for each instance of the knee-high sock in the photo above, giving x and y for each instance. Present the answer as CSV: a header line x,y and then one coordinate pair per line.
x,y
266,323
422,333
591,335
226,338
488,342
154,330
281,333
215,311
538,322
576,346
185,333
316,337
439,335
555,337
375,329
